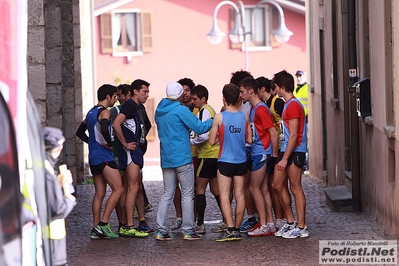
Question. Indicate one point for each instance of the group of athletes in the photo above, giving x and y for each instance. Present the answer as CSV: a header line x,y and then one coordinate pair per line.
x,y
253,150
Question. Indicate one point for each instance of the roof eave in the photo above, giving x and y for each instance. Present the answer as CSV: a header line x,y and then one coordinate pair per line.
x,y
109,6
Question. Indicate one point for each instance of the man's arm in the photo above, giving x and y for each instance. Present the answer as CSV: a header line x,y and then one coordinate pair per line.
x,y
117,126
81,132
193,122
104,122
213,135
274,140
248,133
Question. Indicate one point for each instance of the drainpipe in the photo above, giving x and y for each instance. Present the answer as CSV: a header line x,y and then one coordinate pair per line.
x,y
355,148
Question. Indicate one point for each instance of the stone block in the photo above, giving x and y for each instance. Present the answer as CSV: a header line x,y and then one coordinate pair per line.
x,y
37,81
35,13
68,76
54,65
36,45
53,27
69,98
338,198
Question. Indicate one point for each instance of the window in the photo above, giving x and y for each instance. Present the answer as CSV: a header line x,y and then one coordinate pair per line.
x,y
126,32
259,23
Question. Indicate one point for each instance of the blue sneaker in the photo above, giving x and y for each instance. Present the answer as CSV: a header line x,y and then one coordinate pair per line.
x,y
144,227
178,224
163,237
248,226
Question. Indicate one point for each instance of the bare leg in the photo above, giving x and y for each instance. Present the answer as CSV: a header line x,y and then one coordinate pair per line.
x,y
224,184
114,180
132,174
100,186
240,199
295,177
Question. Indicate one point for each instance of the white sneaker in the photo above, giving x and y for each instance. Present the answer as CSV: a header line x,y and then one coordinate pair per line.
x,y
264,230
296,233
279,223
285,228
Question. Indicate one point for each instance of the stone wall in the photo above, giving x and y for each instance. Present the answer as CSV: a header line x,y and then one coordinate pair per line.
x,y
54,72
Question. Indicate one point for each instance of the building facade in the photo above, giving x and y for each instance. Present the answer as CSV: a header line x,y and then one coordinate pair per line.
x,y
166,40
352,139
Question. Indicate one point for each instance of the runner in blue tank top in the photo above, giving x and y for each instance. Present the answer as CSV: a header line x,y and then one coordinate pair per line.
x,y
291,158
232,129
101,160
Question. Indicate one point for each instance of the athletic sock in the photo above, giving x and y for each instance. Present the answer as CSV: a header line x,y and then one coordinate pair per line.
x,y
200,205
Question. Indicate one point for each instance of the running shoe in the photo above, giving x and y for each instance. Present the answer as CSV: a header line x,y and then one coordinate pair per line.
x,y
287,227
229,236
248,225
200,229
177,226
222,227
94,234
262,230
192,236
162,237
143,227
130,231
279,223
148,208
296,233
105,231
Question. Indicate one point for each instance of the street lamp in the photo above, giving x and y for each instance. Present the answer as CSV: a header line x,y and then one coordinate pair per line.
x,y
238,33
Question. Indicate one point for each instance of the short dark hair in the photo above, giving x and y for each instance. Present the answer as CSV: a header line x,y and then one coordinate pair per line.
x,y
249,83
137,84
104,90
188,82
231,93
237,76
283,78
264,82
125,89
200,91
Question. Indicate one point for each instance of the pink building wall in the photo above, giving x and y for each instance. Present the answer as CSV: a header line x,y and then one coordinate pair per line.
x,y
181,49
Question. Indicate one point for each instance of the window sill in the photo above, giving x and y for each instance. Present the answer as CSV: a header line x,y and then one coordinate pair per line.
x,y
389,131
257,49
127,54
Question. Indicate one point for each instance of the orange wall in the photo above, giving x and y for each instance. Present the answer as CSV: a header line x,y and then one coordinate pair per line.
x,y
181,49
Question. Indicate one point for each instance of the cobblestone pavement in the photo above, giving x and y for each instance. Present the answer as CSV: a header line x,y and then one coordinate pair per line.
x,y
323,224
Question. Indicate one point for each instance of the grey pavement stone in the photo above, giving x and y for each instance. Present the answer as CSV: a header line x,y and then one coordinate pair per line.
x,y
323,224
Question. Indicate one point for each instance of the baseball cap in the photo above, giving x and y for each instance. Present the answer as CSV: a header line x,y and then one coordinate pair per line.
x,y
300,72
53,137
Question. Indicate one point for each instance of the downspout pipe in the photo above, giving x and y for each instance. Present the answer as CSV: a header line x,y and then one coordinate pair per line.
x,y
355,147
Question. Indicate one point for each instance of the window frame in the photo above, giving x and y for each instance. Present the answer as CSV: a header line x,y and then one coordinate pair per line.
x,y
143,32
268,19
139,51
